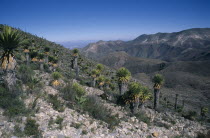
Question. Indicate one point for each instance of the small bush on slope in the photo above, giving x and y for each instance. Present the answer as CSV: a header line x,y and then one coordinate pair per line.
x,y
11,103
31,128
57,104
99,111
25,73
74,93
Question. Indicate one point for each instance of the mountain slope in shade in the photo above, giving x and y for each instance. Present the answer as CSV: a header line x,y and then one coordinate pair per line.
x,y
192,44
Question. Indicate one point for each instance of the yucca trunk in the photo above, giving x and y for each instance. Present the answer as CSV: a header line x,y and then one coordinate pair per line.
x,y
77,72
75,62
94,82
156,98
135,106
142,106
41,66
46,60
175,106
9,65
122,88
10,79
27,58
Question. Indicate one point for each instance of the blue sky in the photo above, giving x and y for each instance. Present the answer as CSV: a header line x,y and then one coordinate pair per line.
x,y
67,20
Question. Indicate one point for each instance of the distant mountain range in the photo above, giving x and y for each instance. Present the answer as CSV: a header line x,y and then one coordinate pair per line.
x,y
192,44
76,44
182,57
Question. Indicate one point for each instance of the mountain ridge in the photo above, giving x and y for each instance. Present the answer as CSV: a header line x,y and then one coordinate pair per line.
x,y
190,43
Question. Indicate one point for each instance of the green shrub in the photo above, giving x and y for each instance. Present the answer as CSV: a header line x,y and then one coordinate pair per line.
x,y
73,93
191,115
34,66
56,75
59,121
76,125
142,117
31,128
99,111
57,104
17,131
84,132
79,90
46,68
25,73
11,103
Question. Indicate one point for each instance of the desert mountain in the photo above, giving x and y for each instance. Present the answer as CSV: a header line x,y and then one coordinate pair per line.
x,y
182,57
192,44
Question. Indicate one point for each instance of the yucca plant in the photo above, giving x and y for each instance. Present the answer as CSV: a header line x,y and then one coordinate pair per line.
x,y
101,81
123,76
132,96
55,62
204,111
107,83
26,45
56,76
33,42
9,40
144,96
100,68
41,61
75,57
158,82
34,55
46,51
94,75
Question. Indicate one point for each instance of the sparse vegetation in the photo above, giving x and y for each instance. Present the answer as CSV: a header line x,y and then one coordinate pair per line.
x,y
11,103
59,121
100,112
57,104
31,128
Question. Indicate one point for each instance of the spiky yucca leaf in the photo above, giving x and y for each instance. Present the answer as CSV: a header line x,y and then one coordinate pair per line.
x,y
75,52
123,75
9,40
158,80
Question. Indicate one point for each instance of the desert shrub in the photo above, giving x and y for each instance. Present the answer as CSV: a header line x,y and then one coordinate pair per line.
x,y
76,125
56,75
46,68
11,103
160,124
31,128
34,86
56,103
18,132
50,123
84,132
201,135
191,115
142,117
99,111
25,73
59,121
34,66
73,93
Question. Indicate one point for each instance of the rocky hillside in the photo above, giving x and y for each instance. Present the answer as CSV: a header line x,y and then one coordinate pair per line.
x,y
52,97
73,123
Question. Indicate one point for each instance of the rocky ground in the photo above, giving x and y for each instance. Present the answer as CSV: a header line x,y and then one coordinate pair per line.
x,y
76,124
